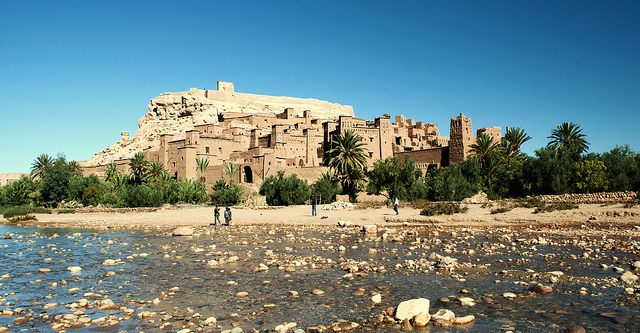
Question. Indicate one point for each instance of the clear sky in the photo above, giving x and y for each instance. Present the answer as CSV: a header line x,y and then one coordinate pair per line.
x,y
74,74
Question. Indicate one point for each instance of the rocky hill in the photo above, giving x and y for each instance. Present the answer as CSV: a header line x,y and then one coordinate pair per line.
x,y
176,113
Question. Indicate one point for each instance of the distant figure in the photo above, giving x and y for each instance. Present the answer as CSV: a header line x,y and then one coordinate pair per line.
x,y
395,205
227,216
314,204
216,215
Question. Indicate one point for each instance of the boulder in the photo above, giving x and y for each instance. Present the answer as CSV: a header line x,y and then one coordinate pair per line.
x,y
182,231
443,317
541,289
628,277
409,309
421,319
479,198
370,229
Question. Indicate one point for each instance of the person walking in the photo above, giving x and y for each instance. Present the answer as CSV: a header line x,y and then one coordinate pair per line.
x,y
216,215
395,205
314,203
227,216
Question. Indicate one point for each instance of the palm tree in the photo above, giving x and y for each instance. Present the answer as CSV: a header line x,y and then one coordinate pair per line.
x,y
156,169
112,171
568,135
40,165
484,148
517,136
347,157
139,167
75,168
202,163
231,170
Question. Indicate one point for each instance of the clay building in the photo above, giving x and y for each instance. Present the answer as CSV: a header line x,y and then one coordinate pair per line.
x,y
292,140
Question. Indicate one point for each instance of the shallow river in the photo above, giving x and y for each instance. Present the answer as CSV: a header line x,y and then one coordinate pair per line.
x,y
279,267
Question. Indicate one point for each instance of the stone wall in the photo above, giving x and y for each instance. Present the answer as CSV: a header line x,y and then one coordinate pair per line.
x,y
591,198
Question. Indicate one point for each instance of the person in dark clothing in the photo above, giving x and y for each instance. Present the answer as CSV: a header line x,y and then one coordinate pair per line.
x,y
216,215
314,204
227,216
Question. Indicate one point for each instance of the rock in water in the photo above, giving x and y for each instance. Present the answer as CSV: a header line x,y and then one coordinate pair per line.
x,y
409,309
541,289
182,231
443,317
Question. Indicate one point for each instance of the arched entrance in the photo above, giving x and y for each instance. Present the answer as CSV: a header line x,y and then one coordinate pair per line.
x,y
248,175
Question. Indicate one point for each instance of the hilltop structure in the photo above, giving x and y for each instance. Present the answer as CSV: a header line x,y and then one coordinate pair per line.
x,y
262,135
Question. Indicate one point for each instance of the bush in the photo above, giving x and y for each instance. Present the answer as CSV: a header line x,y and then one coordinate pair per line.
x,y
140,196
20,218
528,202
553,207
12,211
281,191
443,208
193,192
500,210
326,188
66,211
225,194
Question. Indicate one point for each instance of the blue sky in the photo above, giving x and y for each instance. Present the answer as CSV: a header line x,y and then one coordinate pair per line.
x,y
74,74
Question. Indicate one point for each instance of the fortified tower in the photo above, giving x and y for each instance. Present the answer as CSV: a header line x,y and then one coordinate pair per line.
x,y
461,137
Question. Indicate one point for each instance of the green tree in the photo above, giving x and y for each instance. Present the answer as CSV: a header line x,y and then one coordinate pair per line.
x,y
347,158
19,193
484,148
40,165
202,163
450,183
509,150
326,188
231,170
284,191
393,177
549,172
111,171
75,168
54,185
516,136
623,168
569,136
225,194
138,168
590,176
156,169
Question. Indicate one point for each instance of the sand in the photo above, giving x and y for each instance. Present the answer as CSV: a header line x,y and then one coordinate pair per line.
x,y
292,215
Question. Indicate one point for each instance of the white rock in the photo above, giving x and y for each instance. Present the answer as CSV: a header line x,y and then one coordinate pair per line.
x,y
182,231
74,269
377,298
409,309
628,277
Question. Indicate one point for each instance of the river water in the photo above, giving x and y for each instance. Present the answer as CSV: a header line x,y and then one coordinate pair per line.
x,y
279,267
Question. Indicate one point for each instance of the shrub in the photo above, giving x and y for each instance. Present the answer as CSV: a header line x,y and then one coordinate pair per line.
x,y
281,191
66,211
225,194
12,211
528,202
500,210
193,192
553,207
20,218
140,196
326,188
443,208
630,204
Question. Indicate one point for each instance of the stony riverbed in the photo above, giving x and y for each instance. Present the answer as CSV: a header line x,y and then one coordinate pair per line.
x,y
319,278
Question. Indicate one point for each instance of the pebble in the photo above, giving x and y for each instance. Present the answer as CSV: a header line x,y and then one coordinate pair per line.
x,y
242,294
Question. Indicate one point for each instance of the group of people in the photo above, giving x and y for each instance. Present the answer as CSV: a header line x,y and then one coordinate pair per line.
x,y
314,205
216,215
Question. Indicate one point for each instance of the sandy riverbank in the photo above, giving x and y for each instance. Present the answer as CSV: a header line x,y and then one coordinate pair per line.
x,y
476,216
